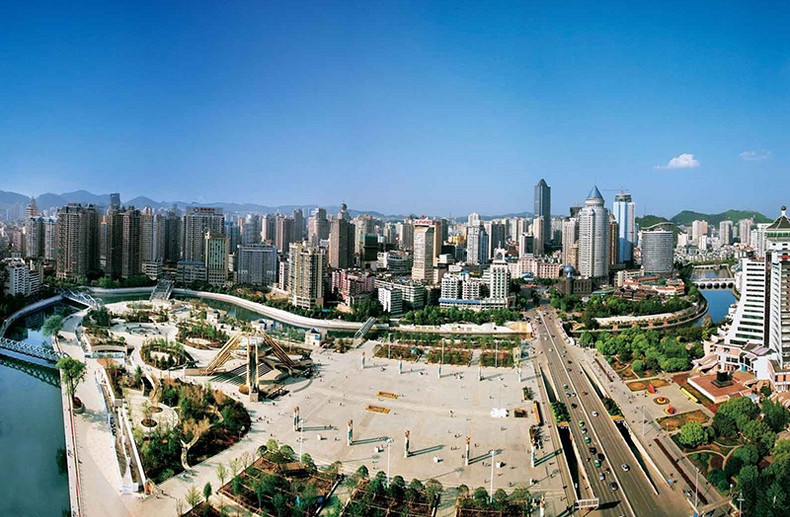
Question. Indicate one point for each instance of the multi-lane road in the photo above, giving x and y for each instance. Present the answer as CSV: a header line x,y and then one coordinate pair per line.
x,y
634,495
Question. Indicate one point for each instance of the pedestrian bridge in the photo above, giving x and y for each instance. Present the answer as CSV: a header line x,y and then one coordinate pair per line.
x,y
27,349
715,283
44,373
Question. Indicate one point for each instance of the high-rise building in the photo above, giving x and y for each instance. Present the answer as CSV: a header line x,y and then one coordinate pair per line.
x,y
256,265
570,236
476,245
543,209
593,240
77,241
777,258
197,221
538,226
171,237
405,230
341,241
216,258
284,233
657,251
123,243
422,269
624,214
499,277
698,229
613,240
297,232
268,228
34,237
251,230
115,201
151,236
496,237
745,230
725,233
306,276
50,239
317,227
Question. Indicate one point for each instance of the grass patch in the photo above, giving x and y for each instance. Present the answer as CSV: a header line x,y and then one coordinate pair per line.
x,y
675,422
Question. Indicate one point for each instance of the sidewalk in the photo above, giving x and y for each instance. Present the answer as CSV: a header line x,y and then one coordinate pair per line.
x,y
98,464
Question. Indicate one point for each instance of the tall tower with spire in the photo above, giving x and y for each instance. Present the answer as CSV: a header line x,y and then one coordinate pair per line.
x,y
593,239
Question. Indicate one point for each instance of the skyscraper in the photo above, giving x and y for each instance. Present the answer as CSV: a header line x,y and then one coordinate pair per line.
x,y
251,230
593,241
306,276
77,241
317,227
115,201
543,209
216,258
341,241
657,251
256,265
197,221
777,258
171,237
623,210
725,233
570,236
476,244
422,268
744,230
123,243
284,233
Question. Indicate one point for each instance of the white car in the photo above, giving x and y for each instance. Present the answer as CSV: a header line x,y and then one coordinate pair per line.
x,y
594,413
625,467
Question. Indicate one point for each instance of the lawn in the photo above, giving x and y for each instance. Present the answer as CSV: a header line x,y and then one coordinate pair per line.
x,y
642,385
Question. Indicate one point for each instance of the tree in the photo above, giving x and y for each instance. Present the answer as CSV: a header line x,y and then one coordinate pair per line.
x,y
480,497
52,325
692,434
741,409
194,430
638,366
192,496
725,425
72,371
222,473
207,491
759,434
775,415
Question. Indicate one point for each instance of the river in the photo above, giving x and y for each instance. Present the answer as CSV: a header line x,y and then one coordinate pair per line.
x,y
719,301
32,443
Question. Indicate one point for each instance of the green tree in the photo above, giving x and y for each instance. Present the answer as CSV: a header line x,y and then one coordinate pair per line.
x,y
760,434
222,473
725,425
692,434
72,371
741,409
192,496
207,490
775,415
52,325
638,366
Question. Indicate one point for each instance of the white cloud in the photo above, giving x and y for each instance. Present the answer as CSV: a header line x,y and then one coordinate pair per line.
x,y
681,161
756,156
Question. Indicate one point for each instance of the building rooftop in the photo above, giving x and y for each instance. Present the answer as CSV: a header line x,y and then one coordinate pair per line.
x,y
595,193
781,223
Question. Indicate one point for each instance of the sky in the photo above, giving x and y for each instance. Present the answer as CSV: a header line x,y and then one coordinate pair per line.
x,y
440,108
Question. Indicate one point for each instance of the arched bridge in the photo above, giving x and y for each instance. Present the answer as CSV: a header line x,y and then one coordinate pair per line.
x,y
82,298
44,373
715,283
36,351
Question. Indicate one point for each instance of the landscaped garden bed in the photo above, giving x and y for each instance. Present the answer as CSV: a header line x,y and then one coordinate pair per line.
x,y
208,422
407,353
375,497
478,504
451,356
675,422
201,334
278,484
501,359
164,354
643,385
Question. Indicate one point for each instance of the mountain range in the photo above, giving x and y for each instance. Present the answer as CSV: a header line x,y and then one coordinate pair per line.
x,y
49,201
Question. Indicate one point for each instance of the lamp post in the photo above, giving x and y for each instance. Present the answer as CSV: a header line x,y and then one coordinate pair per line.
x,y
496,353
740,503
301,438
493,452
389,444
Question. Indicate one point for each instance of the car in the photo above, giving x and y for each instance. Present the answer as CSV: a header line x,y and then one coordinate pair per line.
x,y
597,464
586,439
625,467
600,456
573,394
573,405
592,450
601,476
583,392
581,423
570,362
565,386
613,486
584,430
594,413
567,394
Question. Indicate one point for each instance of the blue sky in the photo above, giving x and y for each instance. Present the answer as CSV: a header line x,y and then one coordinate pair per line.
x,y
423,107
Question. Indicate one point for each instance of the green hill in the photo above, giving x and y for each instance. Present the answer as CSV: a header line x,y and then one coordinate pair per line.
x,y
686,217
650,220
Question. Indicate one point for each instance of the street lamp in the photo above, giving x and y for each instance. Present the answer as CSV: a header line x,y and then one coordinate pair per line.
x,y
492,473
301,437
389,443
696,488
740,503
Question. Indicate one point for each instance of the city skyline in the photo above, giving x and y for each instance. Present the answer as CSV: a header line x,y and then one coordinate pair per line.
x,y
269,105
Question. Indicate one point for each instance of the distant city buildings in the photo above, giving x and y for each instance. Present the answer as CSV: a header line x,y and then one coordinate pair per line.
x,y
542,209
306,276
624,214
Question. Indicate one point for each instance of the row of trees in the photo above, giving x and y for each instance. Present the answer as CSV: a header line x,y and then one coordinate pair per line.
x,y
434,315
